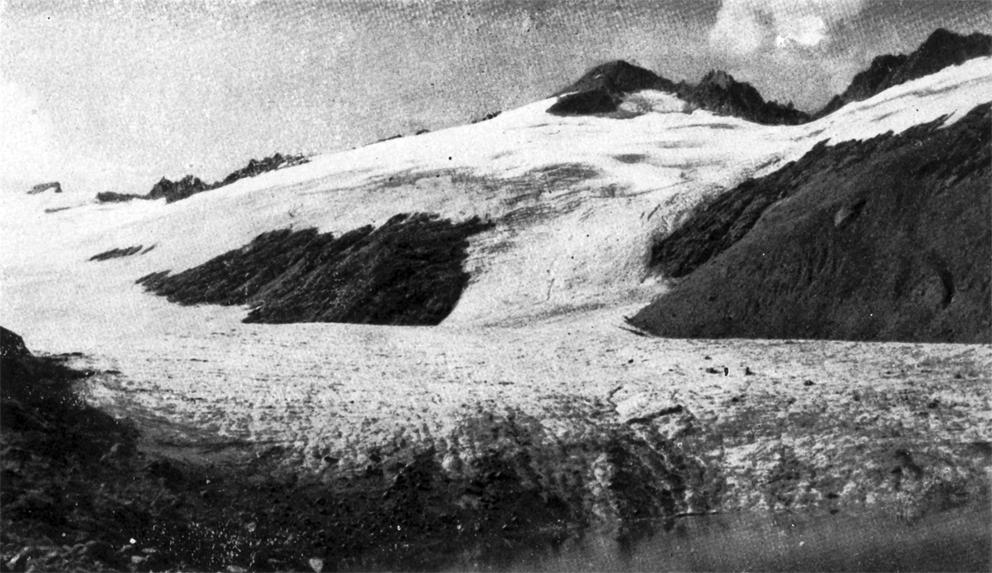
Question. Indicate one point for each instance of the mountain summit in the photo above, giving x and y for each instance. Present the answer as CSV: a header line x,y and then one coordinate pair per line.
x,y
602,88
619,76
942,49
720,93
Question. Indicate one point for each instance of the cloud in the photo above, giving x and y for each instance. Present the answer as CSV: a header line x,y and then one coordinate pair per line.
x,y
745,27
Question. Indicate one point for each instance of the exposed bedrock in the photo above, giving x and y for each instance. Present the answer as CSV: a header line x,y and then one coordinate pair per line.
x,y
885,239
120,252
408,271
586,103
42,187
190,185
941,49
601,90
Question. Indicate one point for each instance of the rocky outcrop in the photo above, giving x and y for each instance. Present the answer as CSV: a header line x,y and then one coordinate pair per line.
x,y
885,239
942,49
190,185
173,191
487,116
721,94
602,88
277,161
118,253
865,84
591,102
114,197
42,187
408,271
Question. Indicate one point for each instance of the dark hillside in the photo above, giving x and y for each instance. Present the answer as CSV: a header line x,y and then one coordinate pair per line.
x,y
589,102
886,239
942,49
721,94
408,271
866,83
601,90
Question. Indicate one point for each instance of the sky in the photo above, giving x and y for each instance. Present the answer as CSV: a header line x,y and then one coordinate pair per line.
x,y
112,95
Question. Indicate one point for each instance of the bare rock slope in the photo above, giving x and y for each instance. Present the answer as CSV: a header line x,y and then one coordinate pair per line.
x,y
408,271
941,49
885,239
602,89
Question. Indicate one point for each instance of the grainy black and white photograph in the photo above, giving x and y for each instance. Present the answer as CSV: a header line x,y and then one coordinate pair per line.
x,y
495,285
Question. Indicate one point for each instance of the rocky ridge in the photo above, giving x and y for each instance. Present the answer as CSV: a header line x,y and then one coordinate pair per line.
x,y
883,239
190,185
601,90
940,50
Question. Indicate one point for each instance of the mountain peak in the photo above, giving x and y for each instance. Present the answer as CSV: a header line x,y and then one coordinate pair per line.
x,y
720,93
618,76
602,87
941,49
719,78
943,37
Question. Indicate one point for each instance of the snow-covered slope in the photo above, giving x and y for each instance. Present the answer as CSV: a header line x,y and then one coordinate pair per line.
x,y
575,200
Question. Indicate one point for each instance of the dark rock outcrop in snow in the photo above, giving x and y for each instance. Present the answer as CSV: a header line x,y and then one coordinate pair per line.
x,y
885,239
942,49
721,94
117,253
867,83
190,185
487,116
601,90
257,167
42,187
114,197
408,271
173,191
590,102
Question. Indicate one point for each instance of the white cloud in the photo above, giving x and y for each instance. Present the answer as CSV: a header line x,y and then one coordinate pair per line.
x,y
744,27
807,31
